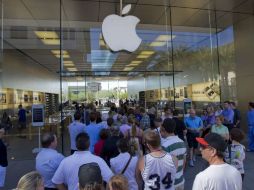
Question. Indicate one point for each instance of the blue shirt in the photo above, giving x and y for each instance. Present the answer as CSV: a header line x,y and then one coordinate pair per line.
x,y
22,115
193,122
250,118
74,129
47,162
93,131
228,114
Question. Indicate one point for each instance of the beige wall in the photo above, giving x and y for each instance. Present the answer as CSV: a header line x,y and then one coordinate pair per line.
x,y
20,72
244,49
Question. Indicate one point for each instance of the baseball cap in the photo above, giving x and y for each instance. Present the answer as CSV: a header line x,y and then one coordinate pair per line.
x,y
89,174
214,140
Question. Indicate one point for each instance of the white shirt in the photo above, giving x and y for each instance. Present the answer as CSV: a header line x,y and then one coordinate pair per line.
x,y
67,172
47,162
159,172
118,163
218,177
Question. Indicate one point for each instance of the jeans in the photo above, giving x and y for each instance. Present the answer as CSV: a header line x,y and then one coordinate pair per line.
x,y
251,137
2,175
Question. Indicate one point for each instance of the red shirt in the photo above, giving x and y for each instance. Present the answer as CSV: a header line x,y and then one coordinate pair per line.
x,y
98,147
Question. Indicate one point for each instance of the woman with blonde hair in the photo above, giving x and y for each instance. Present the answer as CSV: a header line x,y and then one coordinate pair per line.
x,y
118,182
31,181
134,135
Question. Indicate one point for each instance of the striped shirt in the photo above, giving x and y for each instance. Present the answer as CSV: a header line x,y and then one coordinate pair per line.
x,y
175,146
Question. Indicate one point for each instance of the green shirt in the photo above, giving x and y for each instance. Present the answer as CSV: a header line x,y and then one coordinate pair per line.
x,y
221,130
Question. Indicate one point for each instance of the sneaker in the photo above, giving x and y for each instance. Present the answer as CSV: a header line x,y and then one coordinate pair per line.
x,y
191,163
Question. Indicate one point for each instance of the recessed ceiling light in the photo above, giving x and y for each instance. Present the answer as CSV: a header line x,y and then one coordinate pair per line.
x,y
147,53
128,68
57,52
46,34
72,69
143,56
69,65
64,56
136,62
51,41
163,38
133,64
67,62
158,44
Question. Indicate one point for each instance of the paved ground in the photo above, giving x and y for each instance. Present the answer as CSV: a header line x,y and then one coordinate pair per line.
x,y
21,161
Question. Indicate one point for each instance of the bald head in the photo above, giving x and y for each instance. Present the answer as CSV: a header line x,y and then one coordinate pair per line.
x,y
49,140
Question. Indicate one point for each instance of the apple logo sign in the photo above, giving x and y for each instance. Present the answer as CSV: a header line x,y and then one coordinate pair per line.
x,y
119,32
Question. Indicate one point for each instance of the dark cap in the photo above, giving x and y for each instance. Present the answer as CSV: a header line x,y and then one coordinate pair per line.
x,y
214,140
89,174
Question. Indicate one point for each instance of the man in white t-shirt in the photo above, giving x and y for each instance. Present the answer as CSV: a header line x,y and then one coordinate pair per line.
x,y
218,175
67,173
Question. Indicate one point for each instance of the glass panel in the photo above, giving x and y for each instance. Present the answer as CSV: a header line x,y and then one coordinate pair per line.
x,y
195,56
30,66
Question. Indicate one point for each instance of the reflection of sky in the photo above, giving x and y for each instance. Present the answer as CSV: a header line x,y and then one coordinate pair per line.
x,y
104,59
101,60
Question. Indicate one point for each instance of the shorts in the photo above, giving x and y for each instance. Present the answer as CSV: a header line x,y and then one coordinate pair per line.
x,y
2,175
191,139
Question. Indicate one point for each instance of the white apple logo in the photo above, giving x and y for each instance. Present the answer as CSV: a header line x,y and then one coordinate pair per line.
x,y
119,32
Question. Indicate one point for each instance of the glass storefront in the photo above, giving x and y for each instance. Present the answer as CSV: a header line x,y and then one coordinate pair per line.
x,y
53,53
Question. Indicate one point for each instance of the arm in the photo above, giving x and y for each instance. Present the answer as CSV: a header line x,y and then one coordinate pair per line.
x,y
139,168
61,187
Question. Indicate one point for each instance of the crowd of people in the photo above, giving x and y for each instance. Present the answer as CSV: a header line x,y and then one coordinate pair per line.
x,y
131,148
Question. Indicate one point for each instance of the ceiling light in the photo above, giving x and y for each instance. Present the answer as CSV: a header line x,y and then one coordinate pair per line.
x,y
133,64
147,53
68,62
143,56
163,38
136,62
69,65
64,56
46,34
158,44
50,41
57,52
72,69
128,68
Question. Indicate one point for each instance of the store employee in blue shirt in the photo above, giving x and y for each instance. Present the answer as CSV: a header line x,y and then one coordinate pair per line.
x,y
194,126
250,120
48,160
228,114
